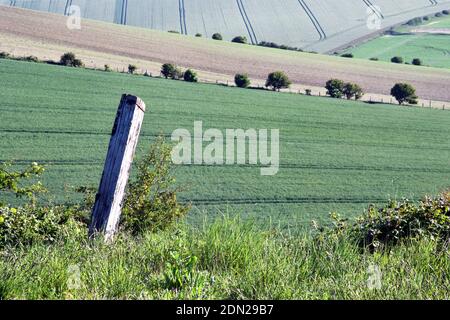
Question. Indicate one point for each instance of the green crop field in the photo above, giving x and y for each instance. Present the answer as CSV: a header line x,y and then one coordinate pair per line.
x,y
432,49
335,155
439,23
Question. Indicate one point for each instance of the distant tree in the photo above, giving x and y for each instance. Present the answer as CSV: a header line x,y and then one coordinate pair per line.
x,y
241,80
308,92
4,55
404,92
239,39
107,68
417,62
347,55
69,59
132,68
352,90
446,12
217,36
174,31
335,88
190,76
168,70
397,60
278,80
198,35
438,15
374,59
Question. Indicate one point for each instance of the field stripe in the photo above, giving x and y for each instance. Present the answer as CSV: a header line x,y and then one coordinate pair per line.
x,y
287,200
182,12
374,9
313,19
247,22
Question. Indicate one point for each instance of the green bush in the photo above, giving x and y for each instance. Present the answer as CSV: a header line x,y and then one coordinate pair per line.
x,y
190,76
240,39
4,55
438,15
198,35
446,12
347,55
397,60
401,220
242,80
335,88
352,90
217,36
404,92
131,69
69,59
278,80
308,92
151,202
107,68
169,70
416,62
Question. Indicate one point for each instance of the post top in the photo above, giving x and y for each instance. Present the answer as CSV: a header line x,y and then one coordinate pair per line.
x,y
130,99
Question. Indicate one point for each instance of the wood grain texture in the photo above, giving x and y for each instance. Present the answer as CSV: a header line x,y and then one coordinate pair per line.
x,y
122,146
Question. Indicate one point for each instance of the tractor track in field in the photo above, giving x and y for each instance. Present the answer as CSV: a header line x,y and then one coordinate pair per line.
x,y
433,2
374,9
124,14
287,200
182,12
312,17
247,22
283,166
68,5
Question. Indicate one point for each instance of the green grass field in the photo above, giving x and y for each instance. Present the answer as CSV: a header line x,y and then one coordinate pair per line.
x,y
433,50
335,155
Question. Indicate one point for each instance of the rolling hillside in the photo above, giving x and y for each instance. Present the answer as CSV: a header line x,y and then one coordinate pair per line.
x,y
334,154
313,25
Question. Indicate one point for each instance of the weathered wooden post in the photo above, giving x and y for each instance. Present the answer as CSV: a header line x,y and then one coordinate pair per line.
x,y
122,146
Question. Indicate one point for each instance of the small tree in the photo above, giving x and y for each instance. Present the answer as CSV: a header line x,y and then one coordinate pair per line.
x,y
347,55
242,80
239,39
69,59
417,62
190,76
107,68
352,90
335,88
404,92
397,60
168,70
132,68
217,36
198,35
278,80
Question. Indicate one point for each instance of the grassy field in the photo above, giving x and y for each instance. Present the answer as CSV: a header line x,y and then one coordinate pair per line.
x,y
227,259
414,42
335,154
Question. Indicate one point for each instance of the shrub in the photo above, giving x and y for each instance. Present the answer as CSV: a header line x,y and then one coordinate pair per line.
x,y
335,88
190,76
438,15
446,12
241,80
401,220
308,92
151,200
414,22
29,59
278,80
13,181
4,55
374,59
426,18
274,45
352,90
347,55
198,35
107,68
169,70
404,92
132,68
217,36
417,62
239,39
68,59
174,31
397,60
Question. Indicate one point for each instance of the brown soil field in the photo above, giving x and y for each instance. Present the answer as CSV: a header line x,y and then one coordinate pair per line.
x,y
46,36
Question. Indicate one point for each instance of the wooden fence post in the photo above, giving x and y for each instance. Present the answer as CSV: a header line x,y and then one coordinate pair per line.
x,y
122,146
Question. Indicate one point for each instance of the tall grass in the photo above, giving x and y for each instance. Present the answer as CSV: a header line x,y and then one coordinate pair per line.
x,y
226,259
